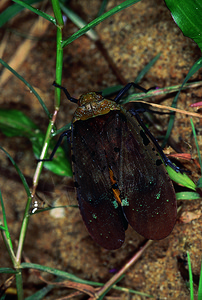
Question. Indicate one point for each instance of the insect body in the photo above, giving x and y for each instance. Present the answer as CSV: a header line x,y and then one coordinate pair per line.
x,y
119,174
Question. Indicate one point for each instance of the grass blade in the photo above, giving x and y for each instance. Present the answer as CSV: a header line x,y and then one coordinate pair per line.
x,y
36,11
98,20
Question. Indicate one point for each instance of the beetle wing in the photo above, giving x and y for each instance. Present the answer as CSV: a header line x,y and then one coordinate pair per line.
x,y
146,191
102,216
148,196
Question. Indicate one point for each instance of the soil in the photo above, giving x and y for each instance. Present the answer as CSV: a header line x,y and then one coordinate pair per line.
x,y
58,238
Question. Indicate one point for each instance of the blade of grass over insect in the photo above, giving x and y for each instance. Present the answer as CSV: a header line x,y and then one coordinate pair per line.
x,y
13,10
98,20
36,11
159,92
28,85
197,65
200,285
181,178
78,21
115,89
61,130
191,288
111,90
147,68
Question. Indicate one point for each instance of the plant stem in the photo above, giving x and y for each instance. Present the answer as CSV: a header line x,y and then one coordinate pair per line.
x,y
58,79
19,285
112,281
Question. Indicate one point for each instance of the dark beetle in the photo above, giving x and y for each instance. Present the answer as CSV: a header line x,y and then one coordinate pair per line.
x,y
119,173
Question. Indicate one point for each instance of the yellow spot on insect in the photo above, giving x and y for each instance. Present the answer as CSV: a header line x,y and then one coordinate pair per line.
x,y
114,189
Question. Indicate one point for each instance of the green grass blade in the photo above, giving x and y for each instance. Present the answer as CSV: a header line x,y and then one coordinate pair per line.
x,y
197,147
101,296
24,182
41,293
36,11
191,287
98,20
159,92
7,271
200,285
197,65
28,85
147,68
7,233
78,21
13,10
74,278
61,130
102,7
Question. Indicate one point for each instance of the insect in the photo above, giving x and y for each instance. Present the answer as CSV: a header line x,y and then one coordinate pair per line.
x,y
119,172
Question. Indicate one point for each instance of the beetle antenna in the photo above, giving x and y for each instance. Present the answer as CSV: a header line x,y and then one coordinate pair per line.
x,y
66,92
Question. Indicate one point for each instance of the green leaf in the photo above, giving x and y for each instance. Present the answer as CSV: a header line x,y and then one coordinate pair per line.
x,y
187,196
60,164
181,178
188,15
15,123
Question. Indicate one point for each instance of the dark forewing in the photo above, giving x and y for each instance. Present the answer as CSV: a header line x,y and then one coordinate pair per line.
x,y
101,214
148,196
